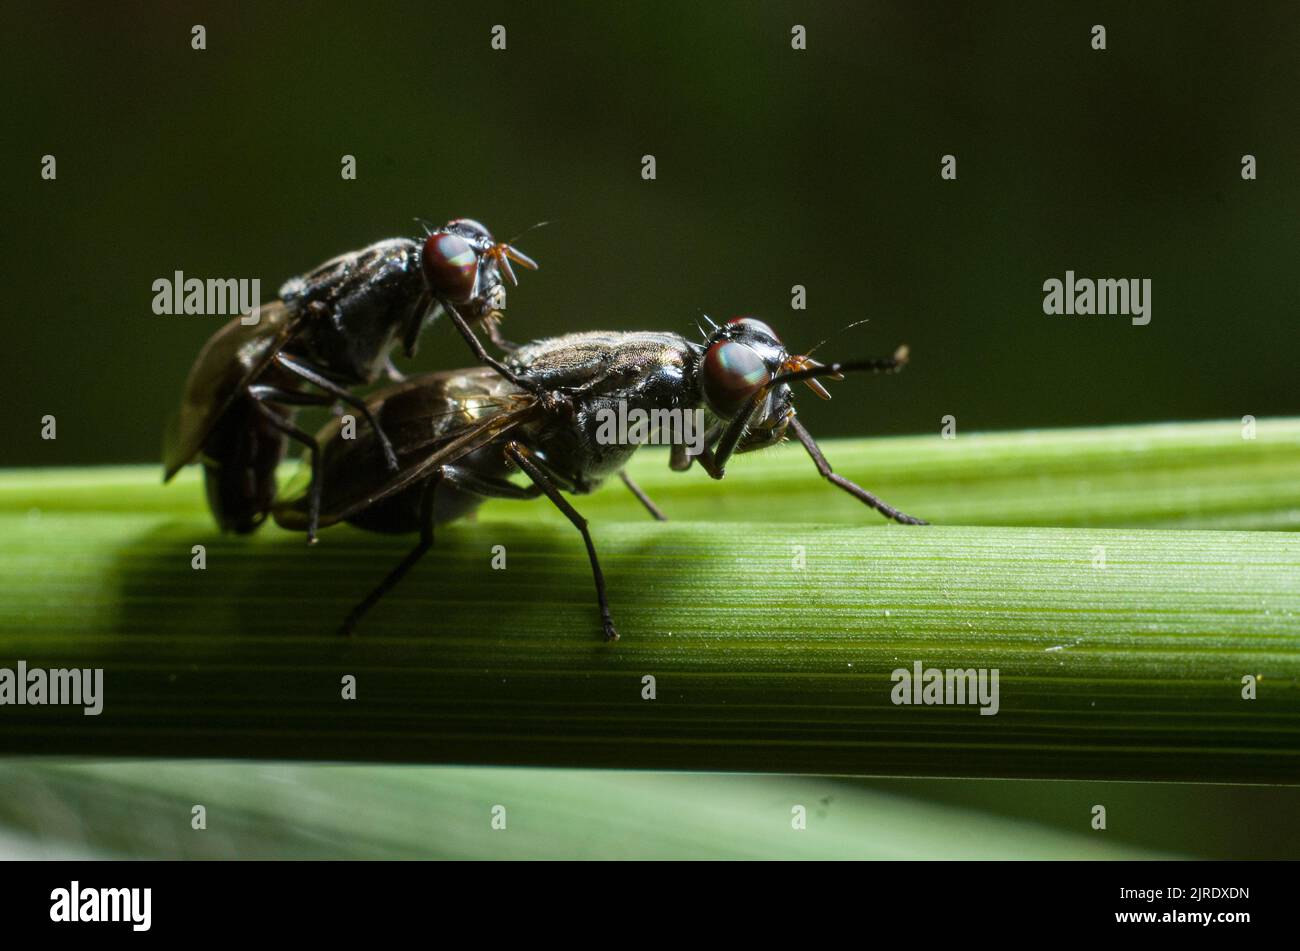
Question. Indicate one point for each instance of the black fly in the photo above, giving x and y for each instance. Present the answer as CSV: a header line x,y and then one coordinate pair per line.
x,y
331,329
460,435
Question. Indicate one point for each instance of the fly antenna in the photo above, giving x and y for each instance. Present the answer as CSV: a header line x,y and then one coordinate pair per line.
x,y
533,227
845,328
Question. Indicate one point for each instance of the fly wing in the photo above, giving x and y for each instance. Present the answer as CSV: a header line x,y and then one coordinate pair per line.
x,y
471,439
430,420
231,359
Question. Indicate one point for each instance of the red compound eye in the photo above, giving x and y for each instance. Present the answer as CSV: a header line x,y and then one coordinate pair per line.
x,y
450,266
733,372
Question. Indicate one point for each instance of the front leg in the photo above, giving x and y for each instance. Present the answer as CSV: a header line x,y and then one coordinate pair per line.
x,y
710,464
852,488
493,324
550,400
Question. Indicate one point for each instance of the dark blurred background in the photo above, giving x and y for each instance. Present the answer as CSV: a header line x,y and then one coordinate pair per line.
x,y
775,168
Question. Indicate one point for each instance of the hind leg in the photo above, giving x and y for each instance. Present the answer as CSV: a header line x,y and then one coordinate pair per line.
x,y
453,475
269,394
407,563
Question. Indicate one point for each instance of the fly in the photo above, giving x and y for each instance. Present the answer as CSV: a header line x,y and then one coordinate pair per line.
x,y
331,329
460,435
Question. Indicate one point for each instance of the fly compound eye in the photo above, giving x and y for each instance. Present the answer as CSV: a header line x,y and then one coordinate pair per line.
x,y
733,372
450,266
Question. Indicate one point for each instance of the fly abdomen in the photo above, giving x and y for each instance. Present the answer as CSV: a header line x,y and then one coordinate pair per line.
x,y
239,461
400,513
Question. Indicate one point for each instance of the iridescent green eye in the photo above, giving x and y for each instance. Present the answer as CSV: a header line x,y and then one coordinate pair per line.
x,y
733,372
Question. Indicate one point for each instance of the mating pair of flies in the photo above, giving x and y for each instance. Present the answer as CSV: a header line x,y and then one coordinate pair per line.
x,y
436,446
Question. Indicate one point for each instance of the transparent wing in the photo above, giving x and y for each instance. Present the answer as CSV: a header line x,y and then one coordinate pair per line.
x,y
231,359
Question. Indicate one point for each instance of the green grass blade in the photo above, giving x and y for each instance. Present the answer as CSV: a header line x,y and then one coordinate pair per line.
x,y
772,643
143,810
1184,475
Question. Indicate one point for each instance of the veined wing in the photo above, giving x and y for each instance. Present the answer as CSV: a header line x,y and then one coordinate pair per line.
x,y
231,359
432,419
473,438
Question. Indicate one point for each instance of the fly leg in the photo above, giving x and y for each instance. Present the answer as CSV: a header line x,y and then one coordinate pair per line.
x,y
407,563
715,461
493,324
521,456
339,393
456,476
545,397
852,488
644,499
681,459
390,370
263,394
